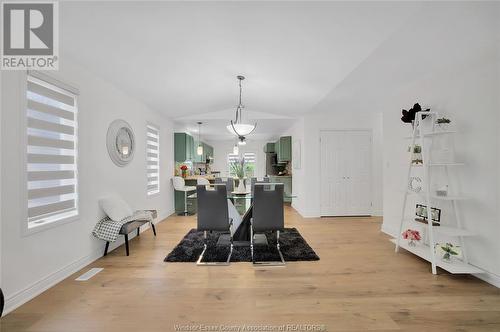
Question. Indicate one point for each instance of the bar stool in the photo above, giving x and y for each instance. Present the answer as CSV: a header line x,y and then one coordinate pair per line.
x,y
180,185
202,181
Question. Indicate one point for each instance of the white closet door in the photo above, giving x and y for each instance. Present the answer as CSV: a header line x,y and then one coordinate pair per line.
x,y
345,173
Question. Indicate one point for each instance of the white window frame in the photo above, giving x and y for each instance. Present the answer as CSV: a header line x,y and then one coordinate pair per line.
x,y
240,154
254,162
26,229
157,192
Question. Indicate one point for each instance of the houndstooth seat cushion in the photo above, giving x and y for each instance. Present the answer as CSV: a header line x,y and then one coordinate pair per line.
x,y
108,230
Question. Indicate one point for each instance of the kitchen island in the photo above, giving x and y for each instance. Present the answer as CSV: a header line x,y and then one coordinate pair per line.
x,y
191,180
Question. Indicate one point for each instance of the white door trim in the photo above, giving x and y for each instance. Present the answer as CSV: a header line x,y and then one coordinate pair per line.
x,y
369,131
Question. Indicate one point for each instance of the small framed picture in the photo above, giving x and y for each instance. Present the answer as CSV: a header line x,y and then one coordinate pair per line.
x,y
421,212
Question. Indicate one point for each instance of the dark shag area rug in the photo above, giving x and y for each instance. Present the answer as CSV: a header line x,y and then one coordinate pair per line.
x,y
292,245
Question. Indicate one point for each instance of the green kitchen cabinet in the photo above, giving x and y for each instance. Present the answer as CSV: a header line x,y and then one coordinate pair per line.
x,y
209,152
287,181
284,149
204,156
179,199
269,148
186,148
190,148
198,158
183,147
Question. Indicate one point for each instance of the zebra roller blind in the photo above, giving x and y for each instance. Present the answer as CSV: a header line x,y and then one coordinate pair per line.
x,y
153,159
51,161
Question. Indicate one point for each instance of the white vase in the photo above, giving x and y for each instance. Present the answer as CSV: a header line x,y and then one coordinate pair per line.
x,y
427,125
241,186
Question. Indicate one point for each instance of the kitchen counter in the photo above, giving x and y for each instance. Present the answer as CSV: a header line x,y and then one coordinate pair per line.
x,y
287,181
196,177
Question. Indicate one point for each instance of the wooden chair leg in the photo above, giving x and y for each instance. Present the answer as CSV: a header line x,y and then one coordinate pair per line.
x,y
154,229
126,244
106,248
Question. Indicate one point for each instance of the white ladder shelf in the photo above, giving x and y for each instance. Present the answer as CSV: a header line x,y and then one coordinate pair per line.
x,y
425,251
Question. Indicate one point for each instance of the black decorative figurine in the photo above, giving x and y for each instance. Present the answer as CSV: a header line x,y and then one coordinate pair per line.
x,y
409,116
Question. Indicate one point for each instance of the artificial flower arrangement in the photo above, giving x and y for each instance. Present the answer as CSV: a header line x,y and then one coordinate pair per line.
x,y
411,235
238,169
184,169
448,250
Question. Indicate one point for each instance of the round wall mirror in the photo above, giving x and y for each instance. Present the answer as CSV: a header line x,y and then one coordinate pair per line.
x,y
120,142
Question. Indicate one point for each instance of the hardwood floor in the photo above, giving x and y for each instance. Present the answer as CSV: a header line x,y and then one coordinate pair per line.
x,y
359,284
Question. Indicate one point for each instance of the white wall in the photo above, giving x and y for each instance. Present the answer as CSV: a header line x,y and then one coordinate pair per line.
x,y
299,178
468,95
446,58
1,220
223,148
32,263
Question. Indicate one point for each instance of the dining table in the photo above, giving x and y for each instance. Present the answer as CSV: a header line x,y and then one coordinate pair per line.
x,y
240,206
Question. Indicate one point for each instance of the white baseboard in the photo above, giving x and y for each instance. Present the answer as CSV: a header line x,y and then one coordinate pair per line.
x,y
304,214
166,214
16,300
490,278
389,231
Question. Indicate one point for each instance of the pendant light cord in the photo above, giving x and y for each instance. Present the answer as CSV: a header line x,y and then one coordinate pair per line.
x,y
240,106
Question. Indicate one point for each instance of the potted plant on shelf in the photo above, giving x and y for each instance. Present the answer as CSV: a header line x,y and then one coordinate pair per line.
x,y
412,236
443,123
238,169
184,170
416,154
448,250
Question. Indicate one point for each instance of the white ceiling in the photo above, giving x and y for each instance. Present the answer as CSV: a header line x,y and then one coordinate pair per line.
x,y
182,58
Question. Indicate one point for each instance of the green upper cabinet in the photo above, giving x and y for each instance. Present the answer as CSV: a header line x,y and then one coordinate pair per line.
x,y
209,152
269,148
198,158
284,149
190,148
183,147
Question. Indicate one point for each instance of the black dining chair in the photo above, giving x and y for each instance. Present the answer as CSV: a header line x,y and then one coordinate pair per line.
x,y
254,181
229,184
268,215
213,215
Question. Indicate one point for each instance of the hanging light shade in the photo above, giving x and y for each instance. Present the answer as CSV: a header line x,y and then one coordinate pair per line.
x,y
236,150
237,127
199,150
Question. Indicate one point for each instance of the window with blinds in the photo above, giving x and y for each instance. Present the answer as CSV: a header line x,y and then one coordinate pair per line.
x,y
52,178
249,157
153,159
250,161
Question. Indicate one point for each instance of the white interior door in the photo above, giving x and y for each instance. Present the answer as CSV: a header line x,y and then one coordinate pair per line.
x,y
345,173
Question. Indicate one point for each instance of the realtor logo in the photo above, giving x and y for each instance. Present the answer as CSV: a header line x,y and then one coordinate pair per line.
x,y
29,36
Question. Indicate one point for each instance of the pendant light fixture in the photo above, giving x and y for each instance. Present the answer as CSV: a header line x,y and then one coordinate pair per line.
x,y
199,150
236,149
237,127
